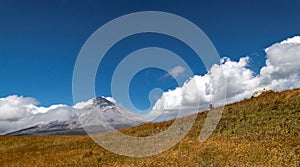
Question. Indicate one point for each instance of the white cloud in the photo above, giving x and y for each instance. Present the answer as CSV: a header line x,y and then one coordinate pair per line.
x,y
46,109
293,40
17,112
282,71
202,90
81,105
176,71
15,107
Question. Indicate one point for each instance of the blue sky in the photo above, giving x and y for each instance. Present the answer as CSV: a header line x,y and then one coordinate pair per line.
x,y
40,40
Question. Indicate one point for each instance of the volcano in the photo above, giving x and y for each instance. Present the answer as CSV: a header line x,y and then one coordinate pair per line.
x,y
100,116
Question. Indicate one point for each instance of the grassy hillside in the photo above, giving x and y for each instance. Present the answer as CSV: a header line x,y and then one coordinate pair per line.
x,y
261,131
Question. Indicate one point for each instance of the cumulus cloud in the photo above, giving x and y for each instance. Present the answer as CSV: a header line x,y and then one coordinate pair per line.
x,y
235,81
199,91
14,107
17,112
282,70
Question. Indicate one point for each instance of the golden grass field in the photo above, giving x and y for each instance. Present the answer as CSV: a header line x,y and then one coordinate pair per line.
x,y
261,131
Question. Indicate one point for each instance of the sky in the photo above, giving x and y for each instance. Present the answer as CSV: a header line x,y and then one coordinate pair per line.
x,y
40,41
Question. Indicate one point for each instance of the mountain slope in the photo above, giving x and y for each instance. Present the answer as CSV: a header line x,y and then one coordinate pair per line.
x,y
261,131
91,116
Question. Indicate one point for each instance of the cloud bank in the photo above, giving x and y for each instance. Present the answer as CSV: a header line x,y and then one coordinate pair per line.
x,y
281,72
17,112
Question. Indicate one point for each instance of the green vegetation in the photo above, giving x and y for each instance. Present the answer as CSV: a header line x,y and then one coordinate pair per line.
x,y
261,131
